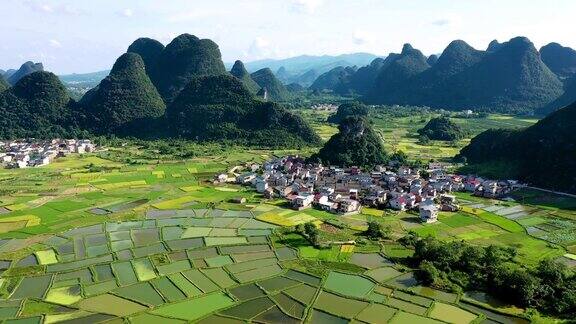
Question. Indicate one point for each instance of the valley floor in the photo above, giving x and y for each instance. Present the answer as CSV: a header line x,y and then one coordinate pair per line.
x,y
398,128
89,239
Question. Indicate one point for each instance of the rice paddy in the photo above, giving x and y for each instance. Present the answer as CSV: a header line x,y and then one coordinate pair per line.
x,y
139,244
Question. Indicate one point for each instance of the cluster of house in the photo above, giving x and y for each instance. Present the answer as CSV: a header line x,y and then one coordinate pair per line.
x,y
325,107
347,190
33,153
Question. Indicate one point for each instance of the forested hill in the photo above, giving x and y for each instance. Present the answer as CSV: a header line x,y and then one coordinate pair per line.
x,y
239,71
26,69
185,57
509,77
268,82
36,106
186,79
125,101
220,107
561,60
3,84
542,155
356,144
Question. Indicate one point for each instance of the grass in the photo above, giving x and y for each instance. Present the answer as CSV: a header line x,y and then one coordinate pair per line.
x,y
458,219
502,222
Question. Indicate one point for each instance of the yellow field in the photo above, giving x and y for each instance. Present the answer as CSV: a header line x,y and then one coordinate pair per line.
x,y
119,185
347,248
301,219
46,257
225,189
275,219
17,222
372,212
264,208
174,203
86,176
190,188
281,219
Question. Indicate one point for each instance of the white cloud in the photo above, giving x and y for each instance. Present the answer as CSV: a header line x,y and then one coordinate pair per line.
x,y
39,6
47,8
306,6
55,43
70,10
126,13
447,21
441,22
361,37
185,16
262,48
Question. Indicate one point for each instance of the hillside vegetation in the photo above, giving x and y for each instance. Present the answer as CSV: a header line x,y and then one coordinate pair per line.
x,y
511,77
268,81
442,129
26,69
561,60
184,58
37,106
541,155
3,84
221,108
356,144
239,71
125,101
349,110
141,97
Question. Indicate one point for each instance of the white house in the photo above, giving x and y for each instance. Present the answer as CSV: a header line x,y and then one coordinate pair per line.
x,y
347,206
302,202
429,213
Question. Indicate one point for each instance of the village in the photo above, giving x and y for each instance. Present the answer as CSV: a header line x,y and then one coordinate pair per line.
x,y
347,190
28,153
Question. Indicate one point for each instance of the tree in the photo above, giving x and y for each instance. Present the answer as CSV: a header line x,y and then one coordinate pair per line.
x,y
312,233
376,231
349,110
410,239
400,157
441,129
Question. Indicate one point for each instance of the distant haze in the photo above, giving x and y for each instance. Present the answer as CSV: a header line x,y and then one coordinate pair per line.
x,y
85,36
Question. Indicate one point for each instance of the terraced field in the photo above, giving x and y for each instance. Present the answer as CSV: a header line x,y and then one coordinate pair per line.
x,y
157,243
162,274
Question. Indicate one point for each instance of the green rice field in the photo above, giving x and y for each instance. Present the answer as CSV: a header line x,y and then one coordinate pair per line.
x,y
129,244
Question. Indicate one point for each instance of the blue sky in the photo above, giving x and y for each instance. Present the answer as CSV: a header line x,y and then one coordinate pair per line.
x,y
88,35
